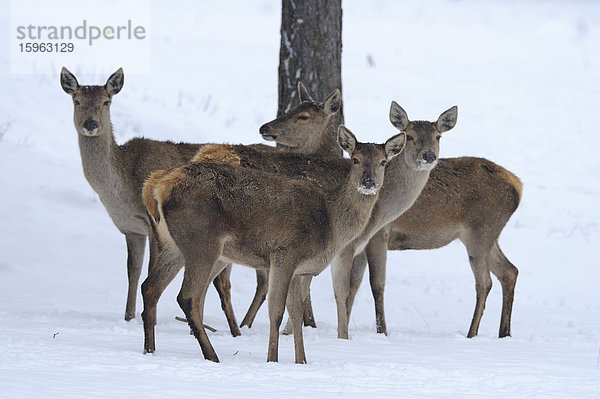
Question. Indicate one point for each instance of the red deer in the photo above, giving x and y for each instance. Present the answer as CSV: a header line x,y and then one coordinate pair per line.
x,y
313,123
206,213
469,199
404,181
117,173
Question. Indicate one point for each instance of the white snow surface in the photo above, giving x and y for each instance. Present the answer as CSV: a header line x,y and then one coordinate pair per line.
x,y
525,76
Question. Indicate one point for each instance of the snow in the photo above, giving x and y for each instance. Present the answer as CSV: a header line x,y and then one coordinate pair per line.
x,y
525,76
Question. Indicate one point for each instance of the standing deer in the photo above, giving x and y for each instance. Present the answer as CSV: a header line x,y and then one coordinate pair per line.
x,y
117,173
309,119
469,199
304,129
411,175
404,181
205,213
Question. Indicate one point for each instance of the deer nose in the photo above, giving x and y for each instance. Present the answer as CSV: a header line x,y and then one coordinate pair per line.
x,y
429,157
90,125
264,129
368,183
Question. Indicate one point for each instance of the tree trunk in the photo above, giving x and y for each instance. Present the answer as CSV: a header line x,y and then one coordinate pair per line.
x,y
311,52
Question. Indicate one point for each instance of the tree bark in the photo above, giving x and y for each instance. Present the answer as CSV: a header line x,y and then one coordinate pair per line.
x,y
311,52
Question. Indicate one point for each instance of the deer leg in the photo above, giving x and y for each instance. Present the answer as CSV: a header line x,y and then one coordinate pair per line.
x,y
279,282
191,298
307,316
136,244
289,327
223,285
359,265
294,306
483,284
341,268
154,248
507,274
377,256
164,271
262,285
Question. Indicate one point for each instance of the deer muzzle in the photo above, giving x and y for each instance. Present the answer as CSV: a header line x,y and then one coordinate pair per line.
x,y
367,186
265,132
428,161
90,128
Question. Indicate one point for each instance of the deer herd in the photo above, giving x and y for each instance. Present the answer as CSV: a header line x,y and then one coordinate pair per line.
x,y
289,212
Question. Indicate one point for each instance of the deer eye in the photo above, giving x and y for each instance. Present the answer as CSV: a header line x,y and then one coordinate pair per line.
x,y
383,163
303,117
355,160
106,102
409,137
75,102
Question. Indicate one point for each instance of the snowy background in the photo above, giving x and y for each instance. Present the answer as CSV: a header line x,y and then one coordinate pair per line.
x,y
526,78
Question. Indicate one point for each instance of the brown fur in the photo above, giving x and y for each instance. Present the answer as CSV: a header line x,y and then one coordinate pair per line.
x,y
459,191
158,187
217,153
221,213
312,121
512,180
471,192
469,199
275,160
398,194
309,119
148,198
117,173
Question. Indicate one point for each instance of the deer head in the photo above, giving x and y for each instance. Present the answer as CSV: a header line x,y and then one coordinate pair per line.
x,y
304,125
369,160
422,147
91,103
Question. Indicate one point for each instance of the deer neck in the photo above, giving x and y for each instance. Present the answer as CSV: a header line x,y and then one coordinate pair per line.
x,y
351,212
401,187
100,158
322,146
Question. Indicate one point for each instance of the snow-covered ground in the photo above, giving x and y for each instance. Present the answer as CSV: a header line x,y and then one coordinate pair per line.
x,y
526,78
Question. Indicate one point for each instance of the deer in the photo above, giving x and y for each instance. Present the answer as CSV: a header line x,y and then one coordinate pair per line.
x,y
405,179
117,172
208,213
310,119
304,129
467,199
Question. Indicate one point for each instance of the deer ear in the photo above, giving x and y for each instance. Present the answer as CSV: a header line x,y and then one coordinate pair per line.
x,y
346,139
333,102
68,81
303,93
398,116
395,145
114,84
447,119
